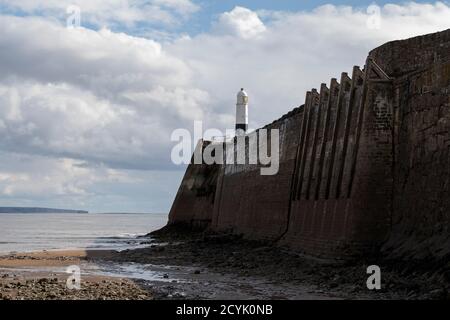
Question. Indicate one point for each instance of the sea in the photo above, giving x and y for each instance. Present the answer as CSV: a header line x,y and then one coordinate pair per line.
x,y
27,232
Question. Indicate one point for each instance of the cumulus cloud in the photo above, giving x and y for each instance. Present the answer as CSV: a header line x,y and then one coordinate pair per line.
x,y
111,97
241,22
66,183
101,13
295,52
61,178
87,106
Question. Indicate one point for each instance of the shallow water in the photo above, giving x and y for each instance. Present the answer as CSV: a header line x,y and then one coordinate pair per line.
x,y
146,272
24,232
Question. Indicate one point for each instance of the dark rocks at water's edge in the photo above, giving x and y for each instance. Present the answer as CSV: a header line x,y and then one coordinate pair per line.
x,y
37,210
54,288
231,254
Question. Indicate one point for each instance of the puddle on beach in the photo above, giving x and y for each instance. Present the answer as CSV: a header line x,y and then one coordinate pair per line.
x,y
180,282
146,272
184,281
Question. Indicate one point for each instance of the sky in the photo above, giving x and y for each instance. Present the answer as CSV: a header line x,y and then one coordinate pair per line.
x,y
87,112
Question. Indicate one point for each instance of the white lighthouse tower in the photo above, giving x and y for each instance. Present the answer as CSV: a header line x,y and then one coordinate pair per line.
x,y
241,112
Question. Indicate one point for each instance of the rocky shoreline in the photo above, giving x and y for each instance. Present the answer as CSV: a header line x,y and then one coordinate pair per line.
x,y
227,254
199,265
42,276
13,287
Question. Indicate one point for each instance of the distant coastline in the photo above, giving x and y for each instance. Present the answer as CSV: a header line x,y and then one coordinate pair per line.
x,y
37,210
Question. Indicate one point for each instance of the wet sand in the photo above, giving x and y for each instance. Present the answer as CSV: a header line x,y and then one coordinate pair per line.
x,y
44,258
273,272
112,275
42,276
199,266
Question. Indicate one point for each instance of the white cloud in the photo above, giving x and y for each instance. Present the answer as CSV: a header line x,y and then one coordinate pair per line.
x,y
111,97
241,22
30,180
40,176
296,52
110,100
181,6
109,13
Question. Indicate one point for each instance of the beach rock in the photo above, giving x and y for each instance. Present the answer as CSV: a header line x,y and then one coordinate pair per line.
x,y
179,295
438,294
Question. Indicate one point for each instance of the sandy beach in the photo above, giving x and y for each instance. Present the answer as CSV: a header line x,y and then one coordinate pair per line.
x,y
41,275
200,266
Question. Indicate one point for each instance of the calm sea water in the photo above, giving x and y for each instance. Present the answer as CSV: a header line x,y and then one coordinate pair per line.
x,y
39,231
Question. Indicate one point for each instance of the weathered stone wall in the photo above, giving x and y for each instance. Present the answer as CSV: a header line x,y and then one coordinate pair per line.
x,y
253,204
194,202
364,162
341,200
421,213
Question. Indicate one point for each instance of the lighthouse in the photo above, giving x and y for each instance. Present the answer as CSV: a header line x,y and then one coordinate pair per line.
x,y
241,112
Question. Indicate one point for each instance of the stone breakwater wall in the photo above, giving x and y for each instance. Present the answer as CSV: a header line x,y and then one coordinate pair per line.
x,y
364,164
